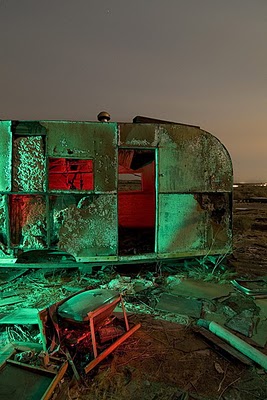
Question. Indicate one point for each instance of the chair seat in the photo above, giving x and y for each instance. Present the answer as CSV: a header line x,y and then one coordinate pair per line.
x,y
77,307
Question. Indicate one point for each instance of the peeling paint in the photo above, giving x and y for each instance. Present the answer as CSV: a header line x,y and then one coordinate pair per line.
x,y
193,181
28,164
28,221
88,228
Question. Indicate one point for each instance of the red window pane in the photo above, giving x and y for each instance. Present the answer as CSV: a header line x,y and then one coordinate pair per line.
x,y
70,174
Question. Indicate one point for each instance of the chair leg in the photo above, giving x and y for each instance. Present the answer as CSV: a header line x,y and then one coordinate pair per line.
x,y
92,329
111,348
124,314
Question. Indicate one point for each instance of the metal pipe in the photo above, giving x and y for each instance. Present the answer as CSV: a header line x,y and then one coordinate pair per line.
x,y
239,344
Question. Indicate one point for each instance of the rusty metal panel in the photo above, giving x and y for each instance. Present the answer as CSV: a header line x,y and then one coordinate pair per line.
x,y
3,226
218,207
28,222
5,155
192,160
194,224
85,140
29,164
181,224
69,139
138,135
106,163
85,226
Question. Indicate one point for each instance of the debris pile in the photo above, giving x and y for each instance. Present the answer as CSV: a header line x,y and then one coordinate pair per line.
x,y
168,306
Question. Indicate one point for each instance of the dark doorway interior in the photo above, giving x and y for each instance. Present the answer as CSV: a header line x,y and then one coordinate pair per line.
x,y
136,201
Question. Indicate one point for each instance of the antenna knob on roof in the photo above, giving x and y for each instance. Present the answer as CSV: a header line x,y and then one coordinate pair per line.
x,y
103,116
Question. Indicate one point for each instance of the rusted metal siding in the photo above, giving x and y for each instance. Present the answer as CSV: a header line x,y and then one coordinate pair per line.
x,y
181,224
87,140
138,135
29,164
88,228
193,186
4,236
191,163
5,156
192,160
28,221
194,224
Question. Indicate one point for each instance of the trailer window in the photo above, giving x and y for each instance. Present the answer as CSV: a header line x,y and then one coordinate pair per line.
x,y
70,174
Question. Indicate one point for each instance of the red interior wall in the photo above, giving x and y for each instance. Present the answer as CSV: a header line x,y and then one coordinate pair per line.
x,y
62,178
137,208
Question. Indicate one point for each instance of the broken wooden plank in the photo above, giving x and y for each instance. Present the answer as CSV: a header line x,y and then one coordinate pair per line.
x,y
10,300
219,343
23,316
110,349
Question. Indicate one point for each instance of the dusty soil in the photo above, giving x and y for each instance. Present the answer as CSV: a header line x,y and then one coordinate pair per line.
x,y
250,239
164,358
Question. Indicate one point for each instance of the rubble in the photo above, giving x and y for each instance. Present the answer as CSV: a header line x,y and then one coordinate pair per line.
x,y
167,299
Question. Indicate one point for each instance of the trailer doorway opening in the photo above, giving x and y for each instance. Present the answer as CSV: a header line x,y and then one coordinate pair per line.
x,y
136,201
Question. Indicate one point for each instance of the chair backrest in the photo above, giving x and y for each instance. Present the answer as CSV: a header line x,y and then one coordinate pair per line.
x,y
78,307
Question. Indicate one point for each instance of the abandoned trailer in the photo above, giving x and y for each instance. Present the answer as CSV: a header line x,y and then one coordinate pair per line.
x,y
113,192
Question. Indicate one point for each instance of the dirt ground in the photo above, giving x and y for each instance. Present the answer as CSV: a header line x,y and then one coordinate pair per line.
x,y
166,358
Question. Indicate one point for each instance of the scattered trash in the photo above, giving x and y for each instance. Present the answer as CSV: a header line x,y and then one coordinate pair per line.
x,y
199,289
23,316
254,287
21,380
180,305
242,323
10,300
